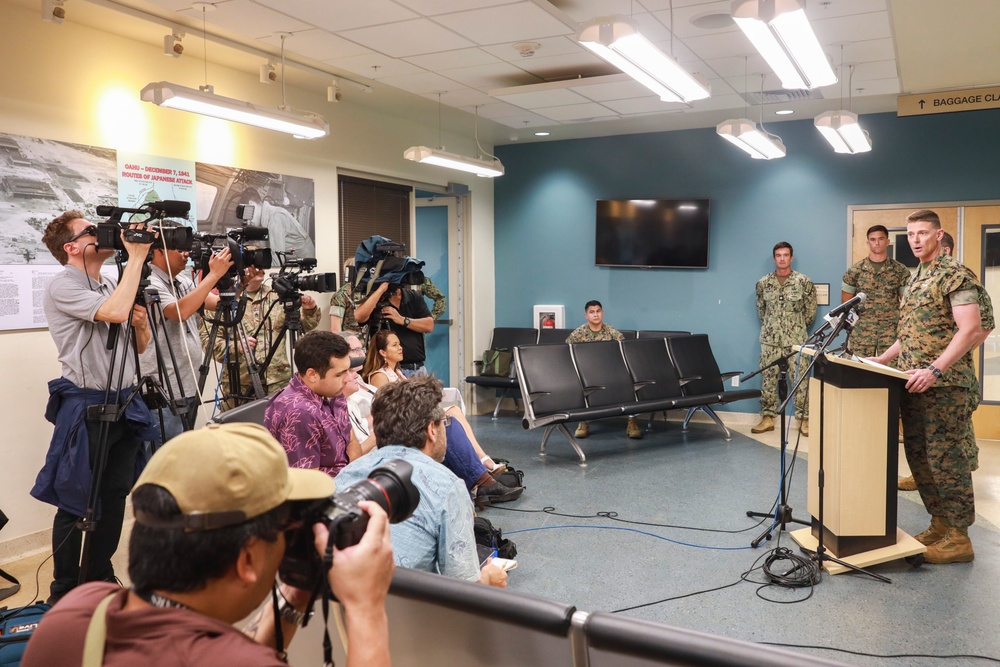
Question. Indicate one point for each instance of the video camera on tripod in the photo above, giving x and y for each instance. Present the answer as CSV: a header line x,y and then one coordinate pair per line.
x,y
294,277
109,233
240,242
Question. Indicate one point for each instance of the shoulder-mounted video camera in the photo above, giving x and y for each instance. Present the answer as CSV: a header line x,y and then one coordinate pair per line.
x,y
389,486
380,260
109,233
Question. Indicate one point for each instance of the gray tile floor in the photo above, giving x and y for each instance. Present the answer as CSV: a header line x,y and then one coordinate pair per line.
x,y
700,487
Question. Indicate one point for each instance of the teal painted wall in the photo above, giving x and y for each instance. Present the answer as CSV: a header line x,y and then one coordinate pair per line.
x,y
545,207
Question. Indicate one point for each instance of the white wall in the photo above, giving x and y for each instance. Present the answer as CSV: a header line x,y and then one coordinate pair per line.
x,y
72,83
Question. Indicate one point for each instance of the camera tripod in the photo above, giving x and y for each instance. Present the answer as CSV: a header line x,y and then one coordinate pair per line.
x,y
229,316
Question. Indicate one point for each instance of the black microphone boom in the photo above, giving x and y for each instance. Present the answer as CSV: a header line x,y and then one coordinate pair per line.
x,y
848,305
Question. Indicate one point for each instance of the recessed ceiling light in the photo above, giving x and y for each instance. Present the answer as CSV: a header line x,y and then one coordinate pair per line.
x,y
783,112
541,134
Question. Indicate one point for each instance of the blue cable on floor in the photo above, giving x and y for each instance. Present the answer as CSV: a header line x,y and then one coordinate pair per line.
x,y
632,530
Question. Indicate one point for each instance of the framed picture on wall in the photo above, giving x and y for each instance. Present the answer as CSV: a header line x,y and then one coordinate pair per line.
x,y
549,317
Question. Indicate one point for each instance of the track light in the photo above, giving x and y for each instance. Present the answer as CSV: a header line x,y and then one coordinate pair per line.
x,y
743,133
204,101
53,11
617,40
172,44
780,31
333,93
843,131
268,72
438,156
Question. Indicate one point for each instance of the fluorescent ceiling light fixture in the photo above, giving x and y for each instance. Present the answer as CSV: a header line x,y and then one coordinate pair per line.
x,y
780,31
438,156
842,130
207,103
617,40
743,133
542,134
783,112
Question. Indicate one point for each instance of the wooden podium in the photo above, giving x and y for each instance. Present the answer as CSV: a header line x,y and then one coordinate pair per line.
x,y
859,404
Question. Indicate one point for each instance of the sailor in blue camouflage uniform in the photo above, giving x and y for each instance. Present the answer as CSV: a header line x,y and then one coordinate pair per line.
x,y
786,305
939,326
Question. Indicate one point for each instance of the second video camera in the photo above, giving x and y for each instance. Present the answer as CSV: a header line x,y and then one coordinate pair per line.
x,y
109,233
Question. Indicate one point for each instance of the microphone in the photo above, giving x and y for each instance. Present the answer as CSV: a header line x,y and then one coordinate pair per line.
x,y
855,302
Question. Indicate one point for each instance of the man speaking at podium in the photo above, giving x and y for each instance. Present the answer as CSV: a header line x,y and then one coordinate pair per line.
x,y
939,325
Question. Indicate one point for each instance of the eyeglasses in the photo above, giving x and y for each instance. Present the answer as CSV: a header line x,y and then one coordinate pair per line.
x,y
445,421
89,231
358,351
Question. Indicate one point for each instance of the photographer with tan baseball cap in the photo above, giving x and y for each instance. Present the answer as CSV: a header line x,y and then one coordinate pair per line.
x,y
211,509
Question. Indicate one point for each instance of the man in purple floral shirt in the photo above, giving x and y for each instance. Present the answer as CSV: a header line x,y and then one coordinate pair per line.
x,y
309,417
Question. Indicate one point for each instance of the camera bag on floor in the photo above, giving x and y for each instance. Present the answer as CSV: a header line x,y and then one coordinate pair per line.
x,y
511,476
16,627
489,539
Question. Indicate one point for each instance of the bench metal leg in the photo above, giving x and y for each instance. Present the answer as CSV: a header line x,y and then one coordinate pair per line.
x,y
574,443
727,436
496,410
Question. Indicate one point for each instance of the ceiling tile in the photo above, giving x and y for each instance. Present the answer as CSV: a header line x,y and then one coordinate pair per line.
x,y
407,38
435,7
366,66
464,98
420,83
543,98
644,105
547,46
856,28
453,59
344,14
576,112
570,65
487,77
510,23
318,45
619,90
248,18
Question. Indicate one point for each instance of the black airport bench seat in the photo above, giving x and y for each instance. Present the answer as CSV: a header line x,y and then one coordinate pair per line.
x,y
589,381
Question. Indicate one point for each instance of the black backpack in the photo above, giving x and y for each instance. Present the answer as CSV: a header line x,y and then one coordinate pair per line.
x,y
489,539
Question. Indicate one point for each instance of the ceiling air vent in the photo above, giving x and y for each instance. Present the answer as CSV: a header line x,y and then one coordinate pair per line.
x,y
781,96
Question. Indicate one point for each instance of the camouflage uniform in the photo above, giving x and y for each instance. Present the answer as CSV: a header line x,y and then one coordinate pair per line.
x,y
279,371
786,309
585,335
342,305
976,397
882,283
937,422
431,291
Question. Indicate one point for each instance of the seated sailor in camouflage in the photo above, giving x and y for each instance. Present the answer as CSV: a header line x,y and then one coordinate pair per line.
x,y
595,329
939,325
786,305
882,280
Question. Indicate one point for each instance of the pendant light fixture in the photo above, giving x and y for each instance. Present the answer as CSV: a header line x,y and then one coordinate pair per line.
x,y
745,135
486,165
841,128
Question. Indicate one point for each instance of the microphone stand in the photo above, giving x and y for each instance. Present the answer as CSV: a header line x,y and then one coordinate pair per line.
x,y
819,362
782,514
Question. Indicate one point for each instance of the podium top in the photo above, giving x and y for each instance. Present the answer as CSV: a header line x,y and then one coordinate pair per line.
x,y
863,364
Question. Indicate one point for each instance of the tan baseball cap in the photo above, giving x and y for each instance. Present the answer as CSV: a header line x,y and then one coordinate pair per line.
x,y
225,474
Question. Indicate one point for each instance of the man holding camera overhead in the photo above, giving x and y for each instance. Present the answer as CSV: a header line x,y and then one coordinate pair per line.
x,y
180,300
81,305
214,513
405,313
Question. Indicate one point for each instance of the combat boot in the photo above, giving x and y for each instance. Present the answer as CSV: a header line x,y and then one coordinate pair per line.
x,y
935,533
954,547
804,427
582,430
632,430
907,484
765,424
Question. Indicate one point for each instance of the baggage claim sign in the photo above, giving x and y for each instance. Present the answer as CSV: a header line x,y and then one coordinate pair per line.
x,y
948,101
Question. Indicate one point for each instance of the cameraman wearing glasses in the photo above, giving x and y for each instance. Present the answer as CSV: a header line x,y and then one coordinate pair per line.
x,y
214,511
81,304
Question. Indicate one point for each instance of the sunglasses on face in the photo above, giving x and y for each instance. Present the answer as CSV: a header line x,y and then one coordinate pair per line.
x,y
89,231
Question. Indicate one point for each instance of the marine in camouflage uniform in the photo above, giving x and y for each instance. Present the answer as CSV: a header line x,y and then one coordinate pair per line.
x,y
937,422
431,291
988,324
882,283
342,306
279,371
939,326
586,334
786,309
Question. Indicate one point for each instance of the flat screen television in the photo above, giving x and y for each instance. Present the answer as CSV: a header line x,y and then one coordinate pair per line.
x,y
653,233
